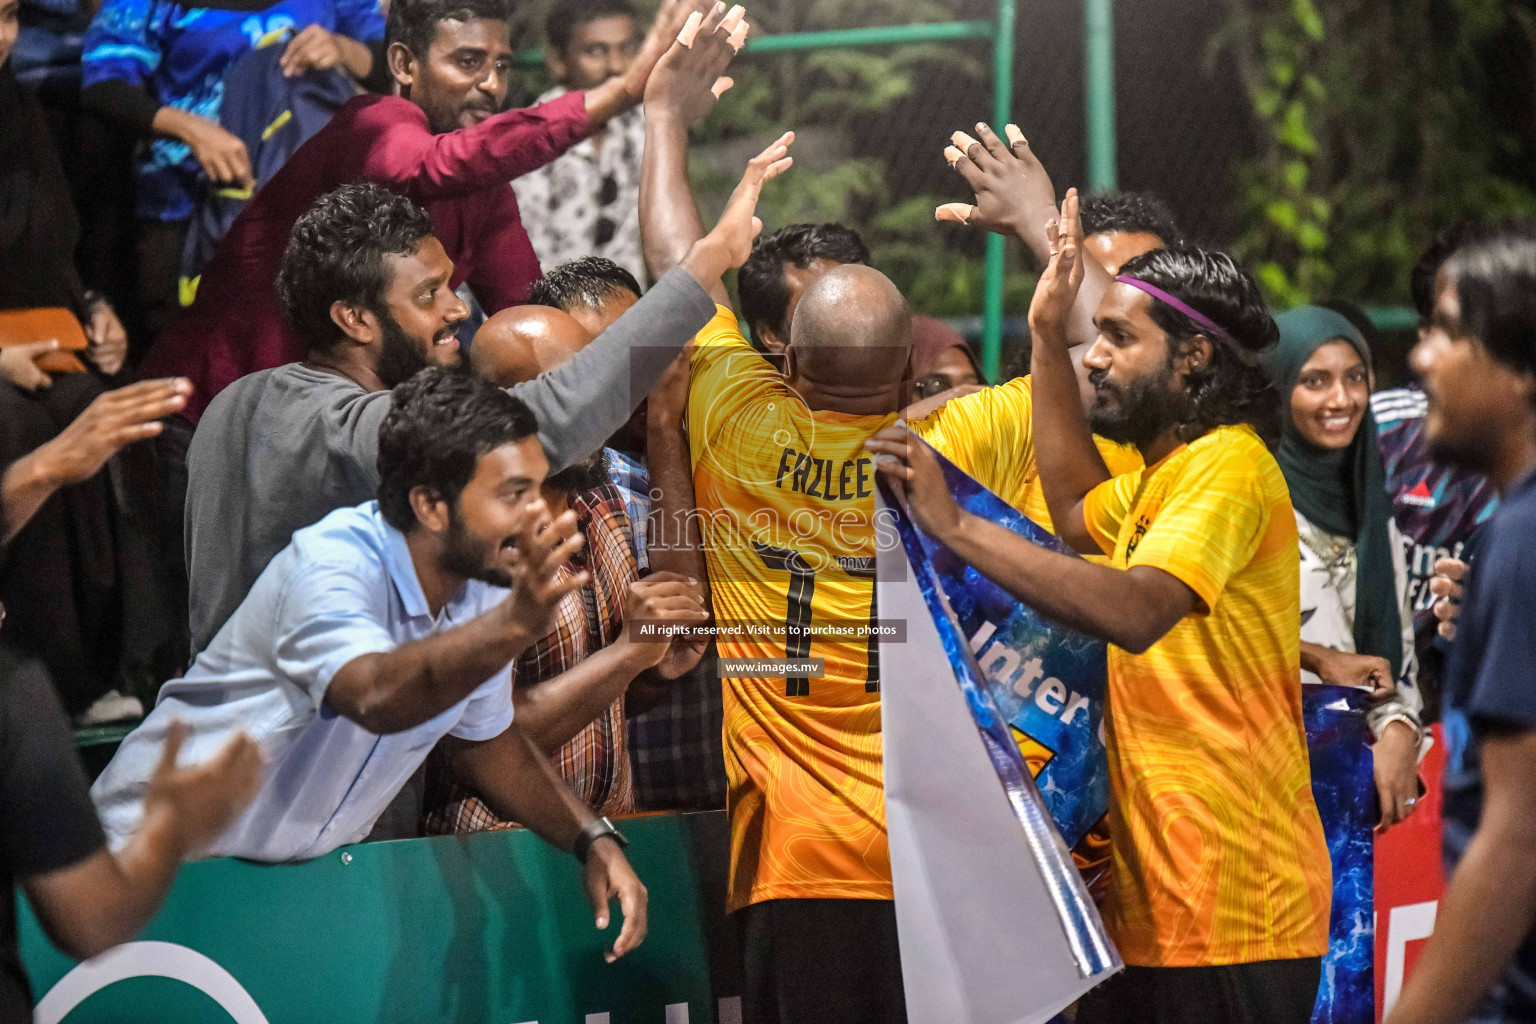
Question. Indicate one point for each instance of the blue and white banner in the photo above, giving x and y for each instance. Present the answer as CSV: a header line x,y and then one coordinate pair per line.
x,y
996,924
1046,681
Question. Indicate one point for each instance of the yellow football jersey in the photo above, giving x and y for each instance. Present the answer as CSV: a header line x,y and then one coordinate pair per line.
x,y
787,500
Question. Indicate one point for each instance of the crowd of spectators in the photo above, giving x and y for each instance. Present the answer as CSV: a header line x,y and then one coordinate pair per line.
x,y
277,498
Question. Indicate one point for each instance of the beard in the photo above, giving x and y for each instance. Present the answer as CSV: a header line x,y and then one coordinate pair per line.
x,y
1142,409
1472,456
581,477
400,357
467,555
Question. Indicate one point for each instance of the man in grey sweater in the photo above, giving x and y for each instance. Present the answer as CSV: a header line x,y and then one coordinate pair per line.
x,y
365,285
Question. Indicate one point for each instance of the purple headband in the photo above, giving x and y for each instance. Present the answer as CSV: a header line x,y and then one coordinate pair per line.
x,y
1183,307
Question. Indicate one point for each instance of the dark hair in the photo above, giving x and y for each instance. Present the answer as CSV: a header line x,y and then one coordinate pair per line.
x,y
764,294
336,253
414,22
1421,279
586,283
1233,387
1131,212
1495,280
440,422
566,16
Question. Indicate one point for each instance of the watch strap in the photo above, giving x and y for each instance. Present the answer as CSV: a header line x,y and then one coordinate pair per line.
x,y
594,831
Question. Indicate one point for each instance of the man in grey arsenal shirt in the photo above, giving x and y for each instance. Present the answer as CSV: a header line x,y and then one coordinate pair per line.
x,y
365,284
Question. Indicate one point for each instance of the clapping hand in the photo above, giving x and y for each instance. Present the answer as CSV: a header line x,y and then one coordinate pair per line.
x,y
1056,292
739,225
687,80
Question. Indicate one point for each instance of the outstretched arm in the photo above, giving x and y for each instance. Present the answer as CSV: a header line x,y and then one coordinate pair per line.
x,y
521,785
584,400
681,90
405,153
1132,609
1014,196
395,690
112,421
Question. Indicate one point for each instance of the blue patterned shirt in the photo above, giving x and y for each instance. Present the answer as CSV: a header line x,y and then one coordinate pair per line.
x,y
180,53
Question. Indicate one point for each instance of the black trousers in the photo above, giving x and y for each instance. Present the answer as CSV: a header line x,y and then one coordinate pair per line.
x,y
1267,992
821,962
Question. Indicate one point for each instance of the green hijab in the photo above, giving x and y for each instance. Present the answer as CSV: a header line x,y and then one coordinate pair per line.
x,y
1342,491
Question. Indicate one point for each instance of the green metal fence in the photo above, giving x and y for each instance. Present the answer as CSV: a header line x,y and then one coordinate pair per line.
x,y
1099,119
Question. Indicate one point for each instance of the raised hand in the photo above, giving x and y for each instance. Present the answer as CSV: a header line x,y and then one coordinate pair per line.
x,y
544,545
686,81
670,22
1051,307
918,480
312,49
606,876
199,803
114,420
1012,188
739,225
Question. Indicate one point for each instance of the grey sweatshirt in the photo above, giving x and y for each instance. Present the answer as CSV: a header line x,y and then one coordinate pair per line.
x,y
279,449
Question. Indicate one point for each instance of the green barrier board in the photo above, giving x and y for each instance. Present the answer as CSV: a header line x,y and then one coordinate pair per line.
x,y
491,927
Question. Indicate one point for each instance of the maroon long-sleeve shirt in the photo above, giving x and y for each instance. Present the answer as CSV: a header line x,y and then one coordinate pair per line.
x,y
236,325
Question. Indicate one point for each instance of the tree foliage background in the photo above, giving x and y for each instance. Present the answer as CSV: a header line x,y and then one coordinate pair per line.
x,y
1322,141
1377,123
872,124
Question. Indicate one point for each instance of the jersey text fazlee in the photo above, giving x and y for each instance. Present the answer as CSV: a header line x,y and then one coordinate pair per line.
x,y
806,474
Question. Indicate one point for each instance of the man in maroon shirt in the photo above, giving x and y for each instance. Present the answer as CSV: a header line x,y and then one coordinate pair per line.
x,y
439,142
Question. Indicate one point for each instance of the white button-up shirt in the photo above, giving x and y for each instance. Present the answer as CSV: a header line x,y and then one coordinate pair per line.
x,y
343,588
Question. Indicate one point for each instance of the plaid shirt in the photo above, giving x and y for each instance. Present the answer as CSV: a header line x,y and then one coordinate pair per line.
x,y
595,762
675,747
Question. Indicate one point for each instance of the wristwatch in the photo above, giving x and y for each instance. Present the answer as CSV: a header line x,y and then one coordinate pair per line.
x,y
598,829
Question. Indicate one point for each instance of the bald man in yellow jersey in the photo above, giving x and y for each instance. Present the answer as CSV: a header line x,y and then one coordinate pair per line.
x,y
785,494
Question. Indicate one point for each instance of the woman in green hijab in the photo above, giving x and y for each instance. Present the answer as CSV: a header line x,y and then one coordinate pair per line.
x,y
1356,628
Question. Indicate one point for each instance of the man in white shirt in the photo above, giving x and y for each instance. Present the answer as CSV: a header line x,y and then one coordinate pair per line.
x,y
385,628
586,202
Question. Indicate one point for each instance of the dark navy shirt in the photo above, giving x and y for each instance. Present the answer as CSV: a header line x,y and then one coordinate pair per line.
x,y
1491,685
1437,508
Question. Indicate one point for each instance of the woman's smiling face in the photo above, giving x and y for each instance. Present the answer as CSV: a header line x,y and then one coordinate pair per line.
x,y
1332,394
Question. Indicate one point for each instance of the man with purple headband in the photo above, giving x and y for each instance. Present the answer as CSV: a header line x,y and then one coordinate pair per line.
x,y
1219,886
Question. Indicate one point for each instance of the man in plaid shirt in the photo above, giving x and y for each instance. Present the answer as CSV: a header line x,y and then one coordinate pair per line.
x,y
675,746
572,686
